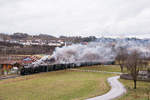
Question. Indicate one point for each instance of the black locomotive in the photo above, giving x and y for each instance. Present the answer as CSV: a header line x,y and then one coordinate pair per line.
x,y
54,67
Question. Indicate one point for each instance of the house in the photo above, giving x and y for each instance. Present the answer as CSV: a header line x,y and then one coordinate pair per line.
x,y
30,59
8,65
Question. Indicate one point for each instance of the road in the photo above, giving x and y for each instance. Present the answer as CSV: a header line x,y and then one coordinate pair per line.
x,y
7,77
117,89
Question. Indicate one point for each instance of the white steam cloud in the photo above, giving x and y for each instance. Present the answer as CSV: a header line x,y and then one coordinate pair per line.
x,y
84,53
102,51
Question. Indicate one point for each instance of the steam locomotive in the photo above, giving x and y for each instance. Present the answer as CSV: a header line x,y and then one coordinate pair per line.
x,y
54,67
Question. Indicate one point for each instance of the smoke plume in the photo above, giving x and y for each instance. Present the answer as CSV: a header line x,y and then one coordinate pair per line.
x,y
103,50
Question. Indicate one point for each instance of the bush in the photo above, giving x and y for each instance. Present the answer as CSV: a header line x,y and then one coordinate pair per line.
x,y
148,70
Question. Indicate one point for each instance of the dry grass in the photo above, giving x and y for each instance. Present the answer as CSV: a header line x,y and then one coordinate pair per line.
x,y
109,68
141,93
59,85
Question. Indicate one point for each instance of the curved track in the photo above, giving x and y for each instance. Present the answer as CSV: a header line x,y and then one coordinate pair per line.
x,y
117,89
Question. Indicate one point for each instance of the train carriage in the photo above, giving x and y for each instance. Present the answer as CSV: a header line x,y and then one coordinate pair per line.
x,y
54,67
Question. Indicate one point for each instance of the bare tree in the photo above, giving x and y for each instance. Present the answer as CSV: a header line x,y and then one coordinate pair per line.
x,y
121,57
134,64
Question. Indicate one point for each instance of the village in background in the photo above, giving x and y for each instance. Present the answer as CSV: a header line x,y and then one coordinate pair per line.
x,y
21,49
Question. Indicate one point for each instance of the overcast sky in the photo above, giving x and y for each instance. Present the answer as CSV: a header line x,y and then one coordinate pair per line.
x,y
76,17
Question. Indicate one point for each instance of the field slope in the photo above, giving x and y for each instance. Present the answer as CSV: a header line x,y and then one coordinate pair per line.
x,y
59,85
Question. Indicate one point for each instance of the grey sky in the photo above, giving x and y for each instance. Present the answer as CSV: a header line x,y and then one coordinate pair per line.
x,y
76,17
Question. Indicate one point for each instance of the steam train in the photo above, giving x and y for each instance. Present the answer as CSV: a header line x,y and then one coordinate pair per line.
x,y
55,67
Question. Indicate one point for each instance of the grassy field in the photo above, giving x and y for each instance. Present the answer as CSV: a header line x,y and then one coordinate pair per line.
x,y
109,68
143,88
68,85
141,93
60,85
